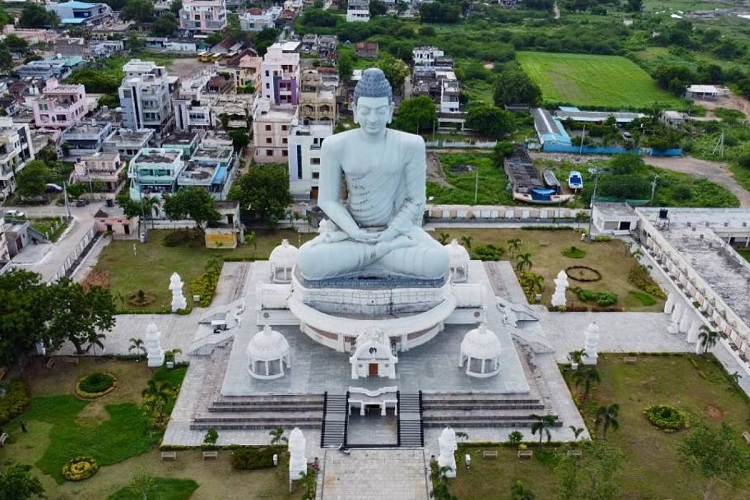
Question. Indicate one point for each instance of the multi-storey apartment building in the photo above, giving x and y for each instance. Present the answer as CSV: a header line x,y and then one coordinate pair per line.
x,y
102,168
317,100
192,105
203,16
60,105
15,152
280,72
86,138
271,131
4,253
75,13
358,11
127,143
304,158
210,168
154,172
145,97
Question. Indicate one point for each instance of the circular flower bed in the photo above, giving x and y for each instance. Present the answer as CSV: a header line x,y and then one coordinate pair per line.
x,y
574,253
141,298
80,468
666,418
583,274
96,385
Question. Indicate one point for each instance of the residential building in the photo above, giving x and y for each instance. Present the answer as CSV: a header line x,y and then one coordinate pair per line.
x,y
358,11
327,46
305,143
154,172
184,142
426,56
80,47
317,101
75,13
15,152
4,253
192,105
60,106
176,46
435,77
203,16
116,224
145,97
367,50
217,84
257,20
85,138
216,139
238,109
44,69
674,118
246,70
271,131
701,92
211,168
280,73
102,168
127,143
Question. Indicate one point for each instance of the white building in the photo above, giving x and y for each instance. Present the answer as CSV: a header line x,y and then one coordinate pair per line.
x,y
426,56
192,106
257,20
144,97
271,131
280,73
305,143
358,11
15,152
203,16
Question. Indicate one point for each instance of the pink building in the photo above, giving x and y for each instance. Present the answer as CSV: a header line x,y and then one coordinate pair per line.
x,y
204,16
280,73
60,105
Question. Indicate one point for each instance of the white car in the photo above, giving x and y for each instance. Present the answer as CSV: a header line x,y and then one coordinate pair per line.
x,y
15,214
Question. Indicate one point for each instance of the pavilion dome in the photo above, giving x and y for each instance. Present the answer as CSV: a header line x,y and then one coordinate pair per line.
x,y
284,256
459,257
481,343
268,345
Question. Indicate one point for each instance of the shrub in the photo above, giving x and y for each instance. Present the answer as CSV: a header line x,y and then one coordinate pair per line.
x,y
205,284
574,253
644,298
515,437
487,252
254,457
666,418
95,385
183,237
80,468
14,402
602,299
602,237
639,278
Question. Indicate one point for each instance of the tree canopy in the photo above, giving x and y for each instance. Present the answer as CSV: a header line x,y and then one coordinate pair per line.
x,y
193,203
33,179
17,483
395,71
415,114
35,15
24,308
513,86
166,25
263,192
140,11
490,121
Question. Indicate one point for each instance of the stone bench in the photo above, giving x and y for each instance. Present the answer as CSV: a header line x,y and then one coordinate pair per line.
x,y
210,454
575,453
3,438
169,455
745,435
525,454
72,361
630,360
50,363
489,454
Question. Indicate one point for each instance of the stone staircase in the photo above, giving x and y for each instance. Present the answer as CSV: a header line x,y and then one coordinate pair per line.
x,y
262,412
460,410
410,433
334,422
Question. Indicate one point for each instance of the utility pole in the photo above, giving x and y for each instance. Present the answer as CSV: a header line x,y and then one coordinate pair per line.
x,y
476,185
593,198
653,189
583,137
65,197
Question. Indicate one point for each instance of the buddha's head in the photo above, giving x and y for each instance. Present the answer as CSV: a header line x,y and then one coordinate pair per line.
x,y
373,102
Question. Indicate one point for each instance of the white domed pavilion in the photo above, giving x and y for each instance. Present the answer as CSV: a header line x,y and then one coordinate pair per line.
x,y
459,262
283,259
268,353
480,350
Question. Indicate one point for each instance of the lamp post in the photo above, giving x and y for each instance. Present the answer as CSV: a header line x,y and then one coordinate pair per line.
x,y
476,185
65,197
593,199
653,190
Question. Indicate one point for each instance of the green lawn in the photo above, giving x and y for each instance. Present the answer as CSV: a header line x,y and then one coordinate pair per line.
x,y
162,487
51,226
490,187
592,80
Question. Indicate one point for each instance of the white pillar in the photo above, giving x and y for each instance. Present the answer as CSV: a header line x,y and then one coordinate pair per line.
x,y
677,313
297,460
155,353
447,444
687,316
669,305
694,331
591,343
178,298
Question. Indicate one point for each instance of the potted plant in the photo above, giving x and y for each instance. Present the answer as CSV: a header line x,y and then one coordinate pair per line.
x,y
169,357
575,358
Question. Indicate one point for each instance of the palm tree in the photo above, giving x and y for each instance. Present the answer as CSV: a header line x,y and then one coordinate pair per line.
x,y
159,394
514,245
586,378
137,345
148,207
466,241
707,338
444,238
735,377
607,416
277,436
519,492
536,283
541,425
96,341
523,262
577,431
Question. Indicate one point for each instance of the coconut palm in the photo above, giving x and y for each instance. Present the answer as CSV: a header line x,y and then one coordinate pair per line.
x,y
607,417
536,282
577,431
541,425
444,238
277,436
514,245
523,262
158,395
137,346
466,241
96,341
707,338
148,207
586,378
735,377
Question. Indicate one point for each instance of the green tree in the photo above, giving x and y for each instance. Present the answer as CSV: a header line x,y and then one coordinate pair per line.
x,y
142,483
79,314
716,454
16,44
209,440
75,190
277,436
175,7
265,38
25,309
191,203
345,65
606,416
586,378
263,192
466,241
541,424
33,179
707,338
156,397
513,86
523,262
240,139
490,121
35,15
17,483
395,71
378,8
514,246
138,346
140,11
6,59
166,25
590,478
519,492
415,114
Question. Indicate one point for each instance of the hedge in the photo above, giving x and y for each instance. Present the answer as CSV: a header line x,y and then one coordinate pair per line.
x,y
96,385
666,418
14,402
254,457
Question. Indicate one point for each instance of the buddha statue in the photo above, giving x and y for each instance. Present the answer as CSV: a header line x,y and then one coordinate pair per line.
x,y
376,232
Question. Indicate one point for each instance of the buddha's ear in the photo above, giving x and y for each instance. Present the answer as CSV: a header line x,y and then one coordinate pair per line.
x,y
391,110
354,110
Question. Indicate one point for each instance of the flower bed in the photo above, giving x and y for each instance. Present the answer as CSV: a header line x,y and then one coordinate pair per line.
x,y
574,253
95,385
640,278
80,468
666,418
602,299
584,274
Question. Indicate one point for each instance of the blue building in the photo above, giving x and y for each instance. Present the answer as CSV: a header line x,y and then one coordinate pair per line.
x,y
76,13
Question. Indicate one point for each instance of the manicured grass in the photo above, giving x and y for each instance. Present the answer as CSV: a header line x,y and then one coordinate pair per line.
x,y
592,80
745,254
171,488
491,184
642,297
50,226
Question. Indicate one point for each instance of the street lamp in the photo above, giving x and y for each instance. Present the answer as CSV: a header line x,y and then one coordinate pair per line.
x,y
596,172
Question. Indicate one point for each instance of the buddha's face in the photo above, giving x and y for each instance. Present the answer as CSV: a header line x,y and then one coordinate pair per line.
x,y
373,114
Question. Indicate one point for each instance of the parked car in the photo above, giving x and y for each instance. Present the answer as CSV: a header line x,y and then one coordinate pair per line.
x,y
80,202
54,188
15,214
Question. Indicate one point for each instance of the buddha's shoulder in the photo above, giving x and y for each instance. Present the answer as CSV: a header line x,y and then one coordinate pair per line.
x,y
406,139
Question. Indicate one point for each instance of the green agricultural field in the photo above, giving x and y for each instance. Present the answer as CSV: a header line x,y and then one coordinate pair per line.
x,y
586,80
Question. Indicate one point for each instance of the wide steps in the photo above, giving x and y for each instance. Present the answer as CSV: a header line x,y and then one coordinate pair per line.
x,y
335,423
259,425
275,407
437,406
481,410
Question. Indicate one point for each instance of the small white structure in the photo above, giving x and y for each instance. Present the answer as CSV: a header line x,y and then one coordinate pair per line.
x,y
154,352
614,218
448,446
459,262
373,355
268,353
297,460
178,298
480,350
561,284
702,92
591,343
283,259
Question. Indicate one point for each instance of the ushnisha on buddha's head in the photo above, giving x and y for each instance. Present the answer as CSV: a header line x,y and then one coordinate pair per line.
x,y
373,102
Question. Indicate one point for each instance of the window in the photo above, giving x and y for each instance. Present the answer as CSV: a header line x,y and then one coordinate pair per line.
x,y
284,153
316,175
268,128
269,152
284,140
314,161
285,128
269,140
